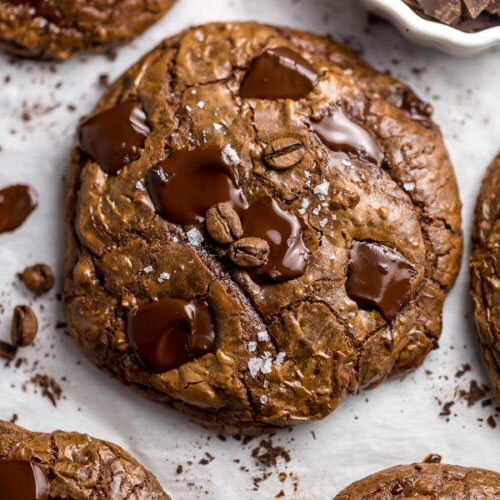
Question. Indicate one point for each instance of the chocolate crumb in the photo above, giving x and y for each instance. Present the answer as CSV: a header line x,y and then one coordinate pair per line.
x,y
446,411
268,455
474,394
463,370
14,418
491,421
50,388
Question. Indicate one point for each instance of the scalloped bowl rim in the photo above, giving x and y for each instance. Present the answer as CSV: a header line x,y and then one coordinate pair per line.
x,y
435,32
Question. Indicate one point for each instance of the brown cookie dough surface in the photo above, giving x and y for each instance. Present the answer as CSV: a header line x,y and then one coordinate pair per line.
x,y
72,465
485,273
425,482
56,29
347,242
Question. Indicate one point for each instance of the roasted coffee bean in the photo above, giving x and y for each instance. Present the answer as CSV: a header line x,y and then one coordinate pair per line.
x,y
249,252
223,223
38,278
24,326
284,153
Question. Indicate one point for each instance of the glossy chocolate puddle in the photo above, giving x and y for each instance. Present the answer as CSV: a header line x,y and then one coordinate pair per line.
x,y
379,277
170,332
16,204
187,183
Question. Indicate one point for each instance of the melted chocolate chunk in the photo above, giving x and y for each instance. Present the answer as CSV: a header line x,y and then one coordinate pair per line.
x,y
23,480
16,204
378,278
338,132
185,185
168,333
282,230
279,73
113,137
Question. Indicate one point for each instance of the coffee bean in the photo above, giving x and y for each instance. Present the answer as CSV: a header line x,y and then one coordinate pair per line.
x,y
284,153
38,278
249,252
223,223
24,326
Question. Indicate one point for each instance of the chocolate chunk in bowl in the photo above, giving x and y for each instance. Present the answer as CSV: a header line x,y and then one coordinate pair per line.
x,y
264,172
465,15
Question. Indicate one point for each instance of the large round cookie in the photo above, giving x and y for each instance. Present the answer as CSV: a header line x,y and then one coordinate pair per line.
x,y
56,29
426,482
338,182
485,273
36,466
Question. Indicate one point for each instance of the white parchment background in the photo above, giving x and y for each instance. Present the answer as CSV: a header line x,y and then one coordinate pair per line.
x,y
396,423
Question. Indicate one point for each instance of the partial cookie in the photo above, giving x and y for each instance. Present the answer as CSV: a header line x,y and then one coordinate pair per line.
x,y
426,482
485,273
56,29
257,224
36,466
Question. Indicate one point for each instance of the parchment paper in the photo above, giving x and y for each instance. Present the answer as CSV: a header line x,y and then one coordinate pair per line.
x,y
398,422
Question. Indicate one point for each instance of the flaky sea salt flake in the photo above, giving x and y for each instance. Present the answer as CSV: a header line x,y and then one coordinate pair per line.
x,y
194,237
254,365
262,336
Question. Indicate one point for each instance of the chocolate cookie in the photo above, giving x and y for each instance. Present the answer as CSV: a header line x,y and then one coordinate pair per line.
x,y
485,273
36,466
426,482
56,29
257,224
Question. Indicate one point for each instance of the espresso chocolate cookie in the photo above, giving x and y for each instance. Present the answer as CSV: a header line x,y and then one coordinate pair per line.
x,y
257,224
426,482
485,273
36,466
56,29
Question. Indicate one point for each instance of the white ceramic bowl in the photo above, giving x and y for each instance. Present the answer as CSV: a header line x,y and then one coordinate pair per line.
x,y
433,33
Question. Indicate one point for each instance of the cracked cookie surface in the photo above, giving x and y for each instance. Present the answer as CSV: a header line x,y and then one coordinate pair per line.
x,y
426,482
485,273
376,195
78,466
56,29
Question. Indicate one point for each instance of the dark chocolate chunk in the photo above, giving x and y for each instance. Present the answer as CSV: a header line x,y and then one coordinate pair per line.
x,y
23,480
446,11
113,137
170,332
16,204
338,132
475,7
7,351
279,73
494,7
378,277
185,185
282,230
